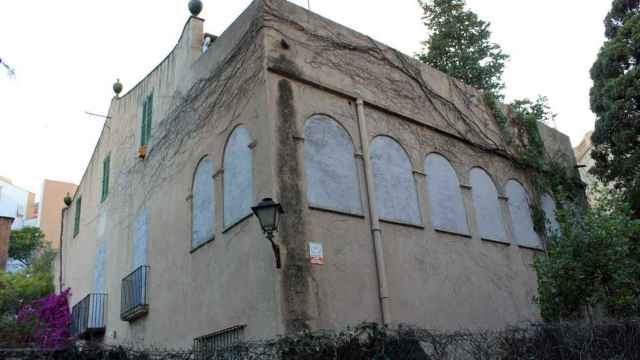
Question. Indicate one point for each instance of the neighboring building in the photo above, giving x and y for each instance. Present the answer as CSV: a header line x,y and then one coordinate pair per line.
x,y
17,203
5,234
398,173
585,162
50,211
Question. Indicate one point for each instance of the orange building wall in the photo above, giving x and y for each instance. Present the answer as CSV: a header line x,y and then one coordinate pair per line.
x,y
53,193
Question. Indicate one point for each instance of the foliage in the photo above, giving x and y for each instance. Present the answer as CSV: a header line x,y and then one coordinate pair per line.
x,y
527,116
567,340
593,261
459,45
25,244
18,289
615,99
21,288
49,320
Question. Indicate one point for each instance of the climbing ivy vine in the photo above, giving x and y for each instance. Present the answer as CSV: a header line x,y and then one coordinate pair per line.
x,y
519,122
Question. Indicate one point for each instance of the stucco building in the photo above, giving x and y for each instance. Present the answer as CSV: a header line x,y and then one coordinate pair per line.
x,y
18,208
398,173
17,203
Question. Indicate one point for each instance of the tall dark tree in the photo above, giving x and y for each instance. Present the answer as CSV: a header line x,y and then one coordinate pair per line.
x,y
460,45
615,99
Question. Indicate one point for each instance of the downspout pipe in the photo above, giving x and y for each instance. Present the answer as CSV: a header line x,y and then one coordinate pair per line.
x,y
376,231
60,247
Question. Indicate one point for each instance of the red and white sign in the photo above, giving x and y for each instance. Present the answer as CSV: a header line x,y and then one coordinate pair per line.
x,y
316,255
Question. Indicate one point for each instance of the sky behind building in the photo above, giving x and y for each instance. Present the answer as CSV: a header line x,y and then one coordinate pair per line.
x,y
67,54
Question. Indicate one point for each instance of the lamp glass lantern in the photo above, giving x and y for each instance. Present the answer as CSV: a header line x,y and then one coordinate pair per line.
x,y
267,212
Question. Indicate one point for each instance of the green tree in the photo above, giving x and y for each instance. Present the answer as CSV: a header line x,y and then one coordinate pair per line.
x,y
615,99
25,244
35,280
592,261
459,45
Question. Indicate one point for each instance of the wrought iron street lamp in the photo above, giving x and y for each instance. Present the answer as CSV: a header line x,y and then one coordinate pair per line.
x,y
268,213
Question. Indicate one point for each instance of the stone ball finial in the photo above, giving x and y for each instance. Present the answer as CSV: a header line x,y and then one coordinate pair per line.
x,y
195,7
68,199
117,87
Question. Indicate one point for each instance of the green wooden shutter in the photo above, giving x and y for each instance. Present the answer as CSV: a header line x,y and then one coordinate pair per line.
x,y
147,108
143,130
105,177
149,115
76,222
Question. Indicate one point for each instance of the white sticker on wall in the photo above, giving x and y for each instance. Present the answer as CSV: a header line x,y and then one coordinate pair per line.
x,y
316,255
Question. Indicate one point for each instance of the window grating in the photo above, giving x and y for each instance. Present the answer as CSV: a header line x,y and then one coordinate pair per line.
x,y
220,344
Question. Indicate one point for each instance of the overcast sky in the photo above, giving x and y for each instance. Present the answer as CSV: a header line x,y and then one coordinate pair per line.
x,y
67,54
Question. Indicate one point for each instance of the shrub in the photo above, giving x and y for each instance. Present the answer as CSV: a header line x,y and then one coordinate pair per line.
x,y
49,320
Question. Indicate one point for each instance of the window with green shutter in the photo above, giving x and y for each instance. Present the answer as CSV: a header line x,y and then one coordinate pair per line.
x,y
76,222
105,177
147,109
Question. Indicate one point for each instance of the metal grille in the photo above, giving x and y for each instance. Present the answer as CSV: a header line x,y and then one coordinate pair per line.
x,y
88,315
134,300
220,344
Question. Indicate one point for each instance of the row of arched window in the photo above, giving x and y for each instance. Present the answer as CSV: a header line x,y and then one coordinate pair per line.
x,y
237,183
332,183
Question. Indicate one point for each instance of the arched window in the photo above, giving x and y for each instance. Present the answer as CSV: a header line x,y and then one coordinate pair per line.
x,y
521,219
549,207
238,177
202,203
395,188
330,167
487,206
443,189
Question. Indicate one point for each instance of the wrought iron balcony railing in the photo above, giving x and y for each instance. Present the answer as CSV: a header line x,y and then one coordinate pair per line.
x,y
134,301
88,316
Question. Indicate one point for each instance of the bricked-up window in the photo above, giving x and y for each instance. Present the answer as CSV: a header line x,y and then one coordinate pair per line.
x,y
202,204
147,112
237,177
330,166
445,197
521,219
487,206
76,219
106,164
395,187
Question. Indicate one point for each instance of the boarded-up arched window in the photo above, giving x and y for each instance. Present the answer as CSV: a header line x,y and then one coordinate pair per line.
x,y
99,269
395,188
443,189
549,207
521,219
140,239
202,203
330,167
487,206
238,177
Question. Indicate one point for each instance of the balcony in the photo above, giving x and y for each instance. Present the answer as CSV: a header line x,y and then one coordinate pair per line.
x,y
134,302
88,316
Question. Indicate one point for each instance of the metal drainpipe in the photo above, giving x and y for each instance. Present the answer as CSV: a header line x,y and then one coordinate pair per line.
x,y
373,213
60,245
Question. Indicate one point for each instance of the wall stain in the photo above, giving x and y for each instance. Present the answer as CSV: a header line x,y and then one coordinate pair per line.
x,y
296,271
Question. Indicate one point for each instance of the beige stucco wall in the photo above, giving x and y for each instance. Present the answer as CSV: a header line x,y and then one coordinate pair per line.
x,y
250,78
226,282
52,203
